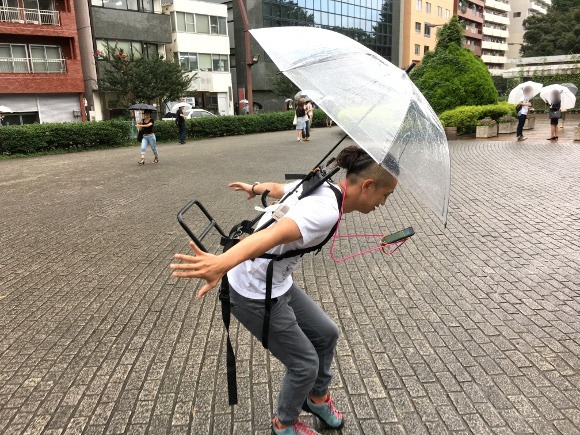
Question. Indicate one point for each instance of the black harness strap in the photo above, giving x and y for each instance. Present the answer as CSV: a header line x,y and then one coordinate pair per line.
x,y
231,357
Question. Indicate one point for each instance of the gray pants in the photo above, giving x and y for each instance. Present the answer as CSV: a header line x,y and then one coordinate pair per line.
x,y
302,337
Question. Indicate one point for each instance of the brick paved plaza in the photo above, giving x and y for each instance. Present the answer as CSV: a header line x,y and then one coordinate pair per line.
x,y
469,329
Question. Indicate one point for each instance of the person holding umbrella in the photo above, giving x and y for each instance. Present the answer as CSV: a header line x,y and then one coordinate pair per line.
x,y
302,336
524,105
554,114
148,137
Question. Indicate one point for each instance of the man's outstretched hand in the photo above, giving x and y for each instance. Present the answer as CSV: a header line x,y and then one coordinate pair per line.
x,y
201,265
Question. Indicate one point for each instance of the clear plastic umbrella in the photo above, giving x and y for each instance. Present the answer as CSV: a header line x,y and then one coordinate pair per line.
x,y
372,100
517,93
184,106
567,98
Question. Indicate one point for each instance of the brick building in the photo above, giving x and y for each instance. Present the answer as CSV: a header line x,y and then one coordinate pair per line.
x,y
41,76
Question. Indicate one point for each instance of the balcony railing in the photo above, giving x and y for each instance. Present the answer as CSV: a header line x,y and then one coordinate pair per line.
x,y
32,65
29,16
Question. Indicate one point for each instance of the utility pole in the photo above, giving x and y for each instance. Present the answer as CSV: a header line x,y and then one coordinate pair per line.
x,y
249,60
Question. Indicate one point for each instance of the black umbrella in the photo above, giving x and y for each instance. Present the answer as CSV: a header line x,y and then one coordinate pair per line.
x,y
143,106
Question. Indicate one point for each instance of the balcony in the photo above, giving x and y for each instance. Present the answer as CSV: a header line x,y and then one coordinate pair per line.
x,y
474,33
29,16
498,5
494,18
31,65
486,58
536,7
488,45
491,31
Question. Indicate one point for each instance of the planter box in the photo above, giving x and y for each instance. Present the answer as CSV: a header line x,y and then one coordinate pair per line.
x,y
577,133
507,127
451,133
530,124
486,131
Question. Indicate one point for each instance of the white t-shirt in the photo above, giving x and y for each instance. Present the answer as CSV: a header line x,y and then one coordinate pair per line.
x,y
315,216
524,109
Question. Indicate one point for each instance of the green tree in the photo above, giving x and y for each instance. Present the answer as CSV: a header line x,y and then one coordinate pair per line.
x,y
140,79
555,33
452,75
284,87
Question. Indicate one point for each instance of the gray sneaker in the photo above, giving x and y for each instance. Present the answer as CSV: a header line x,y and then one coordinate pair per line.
x,y
520,138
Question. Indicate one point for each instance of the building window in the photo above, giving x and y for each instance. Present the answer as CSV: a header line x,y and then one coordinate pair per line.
x,y
20,118
220,62
439,11
131,48
447,12
20,58
419,5
205,63
187,61
185,22
425,49
427,30
128,5
428,7
202,22
517,14
222,26
417,27
417,49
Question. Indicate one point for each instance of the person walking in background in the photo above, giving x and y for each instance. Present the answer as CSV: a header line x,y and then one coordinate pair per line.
x,y
180,121
309,115
300,120
554,114
148,137
524,106
328,121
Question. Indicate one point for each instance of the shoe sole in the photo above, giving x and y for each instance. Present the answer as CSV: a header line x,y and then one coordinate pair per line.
x,y
307,408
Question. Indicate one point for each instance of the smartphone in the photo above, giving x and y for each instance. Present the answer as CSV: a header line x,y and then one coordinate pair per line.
x,y
398,236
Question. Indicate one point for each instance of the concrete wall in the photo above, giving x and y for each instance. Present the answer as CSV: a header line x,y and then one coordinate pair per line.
x,y
130,25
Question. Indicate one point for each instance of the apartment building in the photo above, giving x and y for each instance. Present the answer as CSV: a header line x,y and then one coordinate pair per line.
x,y
201,45
520,10
470,13
40,66
421,19
137,26
495,33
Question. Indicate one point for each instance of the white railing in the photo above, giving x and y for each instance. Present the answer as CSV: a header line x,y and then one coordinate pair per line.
x,y
32,65
29,16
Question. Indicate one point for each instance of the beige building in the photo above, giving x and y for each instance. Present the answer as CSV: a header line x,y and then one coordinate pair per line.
x,y
520,10
495,33
420,19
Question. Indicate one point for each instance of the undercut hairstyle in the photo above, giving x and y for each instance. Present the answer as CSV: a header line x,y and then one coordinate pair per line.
x,y
360,166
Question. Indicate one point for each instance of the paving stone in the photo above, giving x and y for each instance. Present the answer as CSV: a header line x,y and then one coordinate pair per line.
x,y
469,329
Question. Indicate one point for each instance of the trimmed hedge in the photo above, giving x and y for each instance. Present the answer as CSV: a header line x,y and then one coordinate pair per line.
x,y
465,117
33,138
219,126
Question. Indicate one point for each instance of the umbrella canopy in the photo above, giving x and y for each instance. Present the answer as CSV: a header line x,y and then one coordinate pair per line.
x,y
184,106
143,106
372,100
567,98
244,101
288,100
4,109
301,94
517,93
573,88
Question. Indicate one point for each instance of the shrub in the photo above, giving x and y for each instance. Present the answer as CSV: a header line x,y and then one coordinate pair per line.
x,y
486,122
25,139
507,118
452,75
465,117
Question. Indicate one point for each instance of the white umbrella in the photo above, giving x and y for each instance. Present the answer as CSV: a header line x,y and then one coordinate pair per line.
x,y
372,100
244,101
184,106
567,98
517,93
302,94
288,100
573,88
4,109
